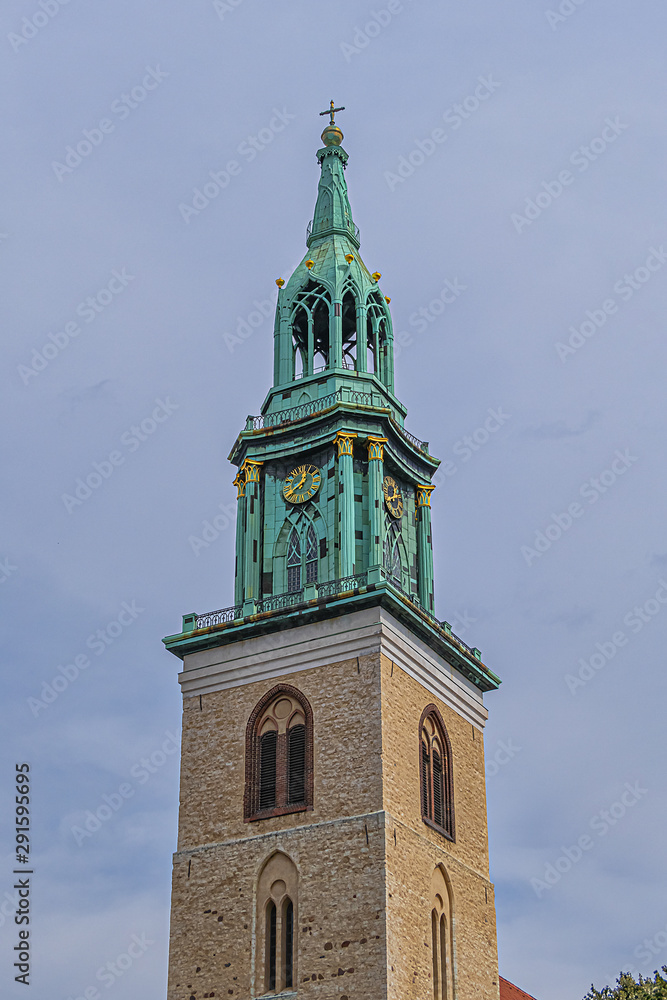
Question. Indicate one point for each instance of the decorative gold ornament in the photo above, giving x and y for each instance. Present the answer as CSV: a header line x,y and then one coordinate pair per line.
x,y
302,483
424,495
239,483
280,282
387,299
251,470
375,448
310,263
392,496
349,257
344,441
376,275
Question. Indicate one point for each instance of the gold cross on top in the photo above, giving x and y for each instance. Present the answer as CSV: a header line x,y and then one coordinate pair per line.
x,y
331,111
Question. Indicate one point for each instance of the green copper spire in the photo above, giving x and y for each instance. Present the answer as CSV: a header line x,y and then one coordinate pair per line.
x,y
331,315
334,494
332,211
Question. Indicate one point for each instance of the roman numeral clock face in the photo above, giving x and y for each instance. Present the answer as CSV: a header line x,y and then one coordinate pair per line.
x,y
302,483
393,496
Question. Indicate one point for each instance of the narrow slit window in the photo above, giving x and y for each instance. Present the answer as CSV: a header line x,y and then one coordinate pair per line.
x,y
288,963
271,934
434,950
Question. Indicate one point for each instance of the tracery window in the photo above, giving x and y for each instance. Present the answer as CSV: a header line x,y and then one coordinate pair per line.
x,y
302,556
441,936
277,899
279,755
435,773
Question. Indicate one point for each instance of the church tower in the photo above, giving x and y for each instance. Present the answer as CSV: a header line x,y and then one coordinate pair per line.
x,y
332,832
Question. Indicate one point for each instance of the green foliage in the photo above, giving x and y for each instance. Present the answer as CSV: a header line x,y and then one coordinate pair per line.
x,y
627,989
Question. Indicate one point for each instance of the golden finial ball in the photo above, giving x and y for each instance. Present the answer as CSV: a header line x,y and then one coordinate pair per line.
x,y
349,257
376,275
280,282
332,136
310,263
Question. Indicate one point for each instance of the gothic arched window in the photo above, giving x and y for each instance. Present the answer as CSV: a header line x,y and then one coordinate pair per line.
x,y
376,335
441,936
349,330
310,330
279,755
435,773
294,561
277,912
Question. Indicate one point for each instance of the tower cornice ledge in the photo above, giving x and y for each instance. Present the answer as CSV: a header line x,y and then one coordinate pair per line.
x,y
224,657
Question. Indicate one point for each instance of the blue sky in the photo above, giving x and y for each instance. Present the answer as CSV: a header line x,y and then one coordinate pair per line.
x,y
515,151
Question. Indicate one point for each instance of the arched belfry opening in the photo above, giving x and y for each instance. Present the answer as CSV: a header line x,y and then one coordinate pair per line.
x,y
349,329
379,348
310,330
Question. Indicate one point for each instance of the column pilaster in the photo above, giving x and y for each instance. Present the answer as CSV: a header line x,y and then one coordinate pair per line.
x,y
343,440
425,547
375,447
239,483
252,547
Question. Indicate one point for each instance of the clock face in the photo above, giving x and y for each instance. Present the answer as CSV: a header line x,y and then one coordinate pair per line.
x,y
302,483
393,496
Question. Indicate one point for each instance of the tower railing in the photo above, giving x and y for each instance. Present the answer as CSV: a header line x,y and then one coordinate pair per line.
x,y
331,588
304,410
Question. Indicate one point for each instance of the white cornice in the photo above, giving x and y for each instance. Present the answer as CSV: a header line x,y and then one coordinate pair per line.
x,y
372,630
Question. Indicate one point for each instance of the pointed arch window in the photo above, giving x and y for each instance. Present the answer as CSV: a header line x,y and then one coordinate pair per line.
x,y
310,330
294,561
277,921
302,556
441,936
435,773
376,335
279,755
349,330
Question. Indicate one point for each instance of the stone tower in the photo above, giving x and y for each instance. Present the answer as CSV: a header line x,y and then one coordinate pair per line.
x,y
332,832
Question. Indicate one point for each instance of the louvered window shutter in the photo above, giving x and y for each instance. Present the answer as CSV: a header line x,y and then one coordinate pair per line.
x,y
438,796
426,782
296,765
267,770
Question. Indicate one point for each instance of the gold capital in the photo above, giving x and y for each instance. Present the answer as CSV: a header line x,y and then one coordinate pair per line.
x,y
344,441
375,447
251,470
239,483
424,495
